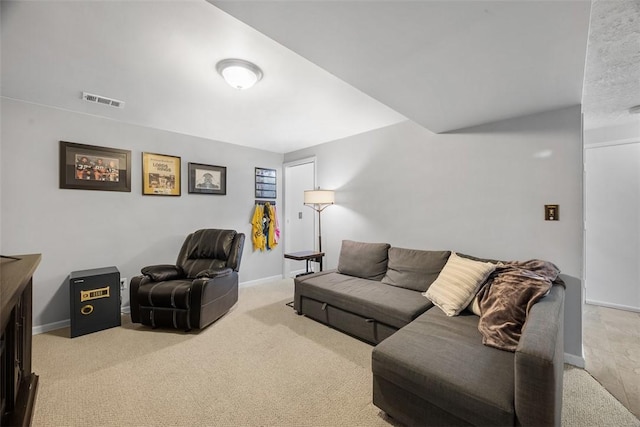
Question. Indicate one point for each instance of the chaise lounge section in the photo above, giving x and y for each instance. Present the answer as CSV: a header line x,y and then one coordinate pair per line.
x,y
430,368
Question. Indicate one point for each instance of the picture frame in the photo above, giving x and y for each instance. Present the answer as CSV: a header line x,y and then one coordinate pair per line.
x,y
207,179
266,183
92,167
160,175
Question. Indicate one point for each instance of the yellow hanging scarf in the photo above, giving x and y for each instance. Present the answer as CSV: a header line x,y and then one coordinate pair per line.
x,y
257,236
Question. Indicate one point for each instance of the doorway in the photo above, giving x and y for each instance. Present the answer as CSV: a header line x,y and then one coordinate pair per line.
x,y
612,183
299,221
612,266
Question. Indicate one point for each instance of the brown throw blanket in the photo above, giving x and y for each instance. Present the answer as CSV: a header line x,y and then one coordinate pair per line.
x,y
510,292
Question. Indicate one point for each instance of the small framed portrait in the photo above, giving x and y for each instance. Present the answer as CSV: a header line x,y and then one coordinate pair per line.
x,y
207,179
160,175
90,167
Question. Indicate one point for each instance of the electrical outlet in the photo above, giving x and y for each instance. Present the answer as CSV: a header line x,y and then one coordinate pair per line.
x,y
123,283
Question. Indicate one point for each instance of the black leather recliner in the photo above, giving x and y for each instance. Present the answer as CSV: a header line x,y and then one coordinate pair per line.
x,y
198,290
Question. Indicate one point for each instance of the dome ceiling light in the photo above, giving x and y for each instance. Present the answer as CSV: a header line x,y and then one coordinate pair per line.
x,y
239,73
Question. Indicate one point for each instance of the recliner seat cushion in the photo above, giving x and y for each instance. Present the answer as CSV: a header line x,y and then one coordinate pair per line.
x,y
192,267
387,304
443,361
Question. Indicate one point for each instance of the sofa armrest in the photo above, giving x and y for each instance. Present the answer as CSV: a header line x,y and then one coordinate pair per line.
x,y
160,273
298,281
539,363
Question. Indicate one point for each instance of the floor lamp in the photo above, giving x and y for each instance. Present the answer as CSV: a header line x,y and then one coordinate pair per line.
x,y
318,200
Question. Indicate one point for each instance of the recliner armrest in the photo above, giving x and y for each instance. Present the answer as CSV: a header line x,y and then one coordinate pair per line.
x,y
160,273
213,273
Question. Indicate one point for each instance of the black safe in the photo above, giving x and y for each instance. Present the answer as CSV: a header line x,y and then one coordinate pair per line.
x,y
95,300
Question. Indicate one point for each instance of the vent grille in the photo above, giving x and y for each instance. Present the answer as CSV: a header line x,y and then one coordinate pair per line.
x,y
89,97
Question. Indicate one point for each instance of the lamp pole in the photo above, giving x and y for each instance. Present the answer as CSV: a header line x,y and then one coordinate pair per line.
x,y
320,229
319,208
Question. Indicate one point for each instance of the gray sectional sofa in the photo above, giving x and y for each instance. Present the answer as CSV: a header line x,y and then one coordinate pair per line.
x,y
430,368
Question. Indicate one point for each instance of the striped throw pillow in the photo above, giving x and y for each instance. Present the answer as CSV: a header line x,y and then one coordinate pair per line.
x,y
457,283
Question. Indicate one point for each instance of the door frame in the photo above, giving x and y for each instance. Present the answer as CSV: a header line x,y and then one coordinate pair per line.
x,y
605,144
285,166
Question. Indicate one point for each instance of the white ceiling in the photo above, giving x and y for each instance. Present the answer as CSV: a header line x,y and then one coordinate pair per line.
x,y
612,80
159,58
332,68
444,64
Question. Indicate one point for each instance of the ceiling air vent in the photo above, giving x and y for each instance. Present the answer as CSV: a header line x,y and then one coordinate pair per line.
x,y
102,100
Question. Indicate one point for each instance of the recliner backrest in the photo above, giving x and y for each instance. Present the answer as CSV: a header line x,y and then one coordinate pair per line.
x,y
208,249
235,256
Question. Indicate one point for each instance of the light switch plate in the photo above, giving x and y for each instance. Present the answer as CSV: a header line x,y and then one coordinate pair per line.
x,y
552,212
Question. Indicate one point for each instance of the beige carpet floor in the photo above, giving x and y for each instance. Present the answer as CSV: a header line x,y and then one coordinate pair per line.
x,y
260,365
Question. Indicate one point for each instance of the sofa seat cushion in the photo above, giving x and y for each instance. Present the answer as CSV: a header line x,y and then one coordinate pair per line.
x,y
368,298
442,360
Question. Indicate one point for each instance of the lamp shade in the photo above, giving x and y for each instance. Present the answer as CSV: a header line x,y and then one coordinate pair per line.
x,y
319,197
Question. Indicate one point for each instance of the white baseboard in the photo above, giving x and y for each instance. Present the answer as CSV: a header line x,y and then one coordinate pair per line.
x,y
293,274
574,360
616,306
41,329
260,281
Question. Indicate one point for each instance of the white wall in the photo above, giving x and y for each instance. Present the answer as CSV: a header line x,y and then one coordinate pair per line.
x,y
613,226
479,191
79,229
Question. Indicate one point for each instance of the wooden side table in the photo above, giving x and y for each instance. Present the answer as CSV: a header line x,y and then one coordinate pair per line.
x,y
306,256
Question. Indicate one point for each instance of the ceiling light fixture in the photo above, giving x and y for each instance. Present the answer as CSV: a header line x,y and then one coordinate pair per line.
x,y
239,73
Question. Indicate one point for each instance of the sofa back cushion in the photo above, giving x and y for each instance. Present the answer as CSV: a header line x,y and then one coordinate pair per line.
x,y
365,260
414,269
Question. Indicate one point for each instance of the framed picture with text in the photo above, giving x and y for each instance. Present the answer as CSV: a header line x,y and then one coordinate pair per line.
x,y
266,183
90,167
160,175
207,179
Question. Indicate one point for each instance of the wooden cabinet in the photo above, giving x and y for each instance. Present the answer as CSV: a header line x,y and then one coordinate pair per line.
x,y
18,384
